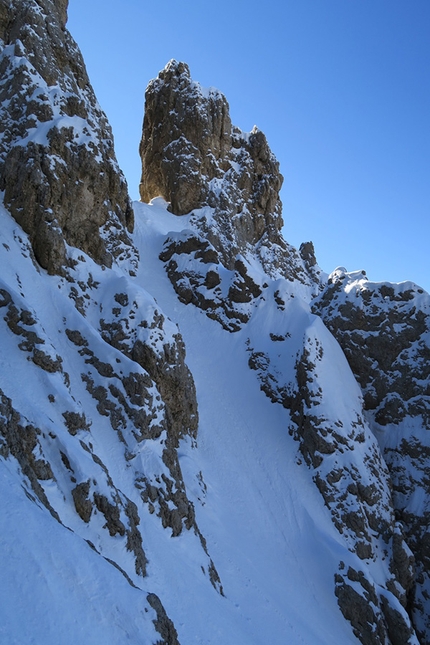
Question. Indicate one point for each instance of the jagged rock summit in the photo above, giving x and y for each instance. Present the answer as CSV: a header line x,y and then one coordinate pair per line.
x,y
227,182
58,170
189,146
194,158
231,261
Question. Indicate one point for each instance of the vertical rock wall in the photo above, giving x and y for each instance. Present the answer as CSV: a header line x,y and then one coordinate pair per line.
x,y
194,158
58,170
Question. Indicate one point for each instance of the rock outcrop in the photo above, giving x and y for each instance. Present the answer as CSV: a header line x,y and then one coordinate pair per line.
x,y
191,153
231,261
58,170
384,331
112,366
229,180
335,442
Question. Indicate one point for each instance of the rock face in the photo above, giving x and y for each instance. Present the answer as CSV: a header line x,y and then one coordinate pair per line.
x,y
229,180
58,170
383,329
231,262
189,146
336,444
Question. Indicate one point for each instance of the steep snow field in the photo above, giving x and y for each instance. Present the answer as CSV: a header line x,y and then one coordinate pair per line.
x,y
270,536
54,588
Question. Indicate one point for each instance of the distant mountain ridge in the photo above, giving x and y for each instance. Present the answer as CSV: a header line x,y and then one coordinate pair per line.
x,y
204,438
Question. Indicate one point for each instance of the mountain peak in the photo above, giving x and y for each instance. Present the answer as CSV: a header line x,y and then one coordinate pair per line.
x,y
226,179
191,154
176,68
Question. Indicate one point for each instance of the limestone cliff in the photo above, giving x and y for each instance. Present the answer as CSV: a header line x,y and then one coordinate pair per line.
x,y
229,180
231,261
58,169
111,366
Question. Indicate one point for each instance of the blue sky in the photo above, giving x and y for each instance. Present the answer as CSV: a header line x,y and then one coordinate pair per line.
x,y
341,88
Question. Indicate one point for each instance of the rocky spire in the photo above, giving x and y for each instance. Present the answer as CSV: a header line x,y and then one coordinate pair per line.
x,y
58,170
228,179
193,157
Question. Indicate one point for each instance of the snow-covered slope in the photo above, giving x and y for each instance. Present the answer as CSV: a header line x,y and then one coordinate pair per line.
x,y
190,451
269,531
315,400
77,469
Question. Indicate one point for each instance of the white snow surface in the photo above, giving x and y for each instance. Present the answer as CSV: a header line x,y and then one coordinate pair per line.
x,y
271,538
268,531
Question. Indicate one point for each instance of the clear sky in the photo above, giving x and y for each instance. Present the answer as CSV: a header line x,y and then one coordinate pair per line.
x,y
341,88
